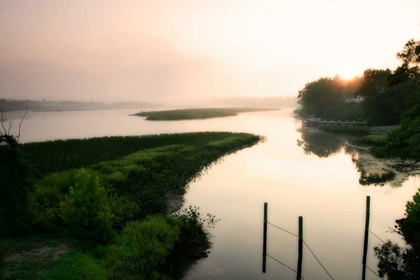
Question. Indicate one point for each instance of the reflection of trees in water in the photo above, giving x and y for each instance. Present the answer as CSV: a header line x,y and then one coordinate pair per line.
x,y
373,171
320,143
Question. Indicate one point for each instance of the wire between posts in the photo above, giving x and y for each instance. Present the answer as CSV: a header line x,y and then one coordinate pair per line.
x,y
283,264
377,236
318,260
373,272
282,229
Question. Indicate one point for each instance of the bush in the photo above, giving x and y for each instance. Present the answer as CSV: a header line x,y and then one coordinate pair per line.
x,y
142,248
44,207
85,209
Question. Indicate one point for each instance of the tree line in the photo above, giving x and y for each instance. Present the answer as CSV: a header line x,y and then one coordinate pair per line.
x,y
389,97
47,105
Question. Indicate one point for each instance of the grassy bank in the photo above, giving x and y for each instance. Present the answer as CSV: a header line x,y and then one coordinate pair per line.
x,y
198,113
374,136
103,201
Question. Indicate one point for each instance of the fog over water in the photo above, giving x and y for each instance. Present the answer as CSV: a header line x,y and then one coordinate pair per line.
x,y
318,179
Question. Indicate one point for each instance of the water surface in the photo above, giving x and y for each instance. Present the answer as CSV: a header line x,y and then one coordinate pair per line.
x,y
299,173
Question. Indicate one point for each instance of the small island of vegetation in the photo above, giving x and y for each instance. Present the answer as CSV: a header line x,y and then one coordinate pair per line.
x,y
102,208
197,113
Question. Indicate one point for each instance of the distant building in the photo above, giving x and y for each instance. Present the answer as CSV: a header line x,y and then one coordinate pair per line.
x,y
357,99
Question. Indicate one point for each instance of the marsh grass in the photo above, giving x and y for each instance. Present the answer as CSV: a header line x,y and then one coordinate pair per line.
x,y
124,181
375,139
196,113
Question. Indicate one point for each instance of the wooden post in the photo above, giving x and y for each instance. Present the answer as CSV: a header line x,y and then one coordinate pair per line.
x,y
365,244
264,238
300,249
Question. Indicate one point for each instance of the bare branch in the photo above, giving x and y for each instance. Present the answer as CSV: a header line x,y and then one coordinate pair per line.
x,y
20,124
2,123
10,126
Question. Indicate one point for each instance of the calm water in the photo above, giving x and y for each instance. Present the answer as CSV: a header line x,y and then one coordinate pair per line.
x,y
309,174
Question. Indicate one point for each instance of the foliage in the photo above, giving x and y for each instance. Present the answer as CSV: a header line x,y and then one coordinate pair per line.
x,y
16,181
112,195
402,263
54,156
410,227
142,248
199,113
76,266
326,98
192,223
382,104
405,142
85,209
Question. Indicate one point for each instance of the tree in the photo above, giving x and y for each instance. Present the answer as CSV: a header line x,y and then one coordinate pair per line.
x,y
405,142
383,104
321,97
15,180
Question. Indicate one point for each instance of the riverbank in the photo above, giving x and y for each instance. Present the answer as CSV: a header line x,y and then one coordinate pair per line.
x,y
197,113
92,200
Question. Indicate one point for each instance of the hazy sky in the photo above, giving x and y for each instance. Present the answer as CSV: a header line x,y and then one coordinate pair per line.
x,y
187,50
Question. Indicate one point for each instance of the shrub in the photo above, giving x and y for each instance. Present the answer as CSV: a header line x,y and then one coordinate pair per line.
x,y
85,209
142,248
44,208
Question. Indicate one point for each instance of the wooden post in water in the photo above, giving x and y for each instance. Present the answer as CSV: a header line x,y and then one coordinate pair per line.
x,y
264,238
300,249
365,243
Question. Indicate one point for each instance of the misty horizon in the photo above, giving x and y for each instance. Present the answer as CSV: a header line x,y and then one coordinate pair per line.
x,y
192,52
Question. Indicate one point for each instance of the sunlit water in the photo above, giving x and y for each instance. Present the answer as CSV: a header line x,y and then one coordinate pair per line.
x,y
317,180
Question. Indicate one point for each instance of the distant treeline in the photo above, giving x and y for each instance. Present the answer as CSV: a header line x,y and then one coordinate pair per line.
x,y
265,102
46,105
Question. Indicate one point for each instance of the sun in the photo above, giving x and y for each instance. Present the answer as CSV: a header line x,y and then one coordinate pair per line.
x,y
347,73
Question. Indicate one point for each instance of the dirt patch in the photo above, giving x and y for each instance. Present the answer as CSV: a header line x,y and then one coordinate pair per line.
x,y
38,253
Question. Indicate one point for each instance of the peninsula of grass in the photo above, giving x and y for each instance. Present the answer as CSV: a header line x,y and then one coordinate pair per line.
x,y
197,113
98,208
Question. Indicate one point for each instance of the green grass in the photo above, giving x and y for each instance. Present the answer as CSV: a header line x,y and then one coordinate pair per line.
x,y
375,139
341,129
76,266
142,248
197,113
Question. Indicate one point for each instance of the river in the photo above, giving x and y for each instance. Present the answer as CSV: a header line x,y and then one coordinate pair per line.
x,y
310,174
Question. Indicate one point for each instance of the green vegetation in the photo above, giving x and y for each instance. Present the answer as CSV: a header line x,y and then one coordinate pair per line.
x,y
375,139
74,266
349,129
110,194
199,113
389,98
142,248
403,263
326,98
